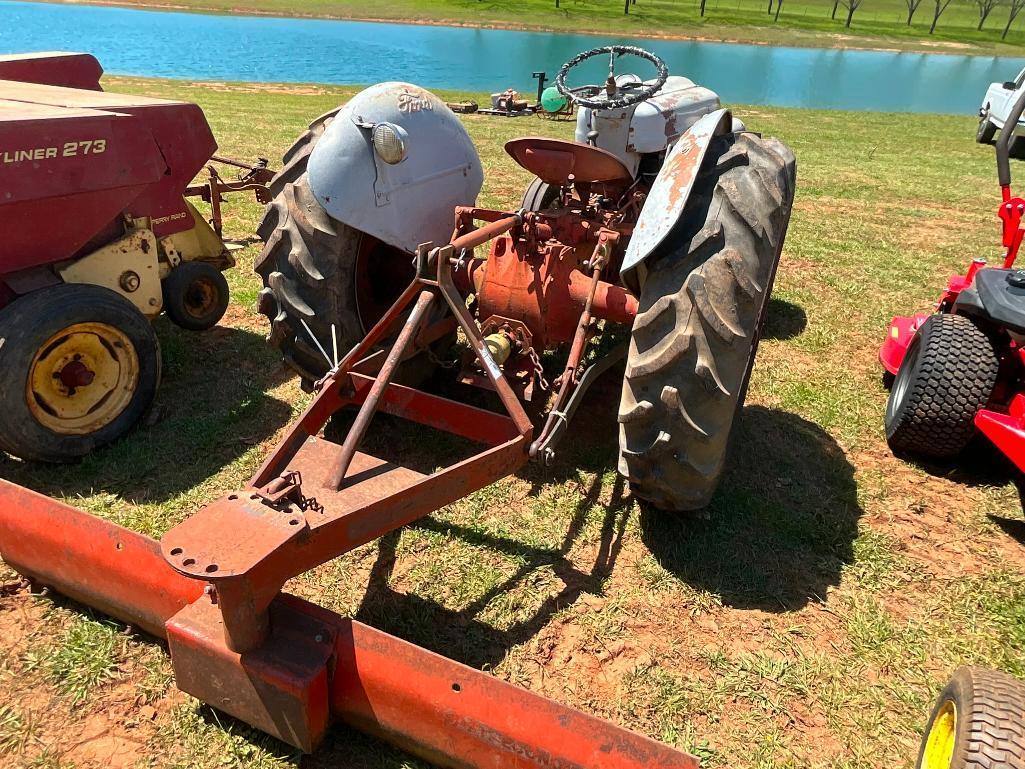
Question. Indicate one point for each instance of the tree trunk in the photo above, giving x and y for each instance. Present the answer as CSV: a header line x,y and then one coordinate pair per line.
x,y
911,13
1010,21
850,14
626,8
983,13
779,4
702,8
836,3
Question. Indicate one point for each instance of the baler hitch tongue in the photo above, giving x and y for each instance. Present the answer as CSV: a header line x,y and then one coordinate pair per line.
x,y
314,666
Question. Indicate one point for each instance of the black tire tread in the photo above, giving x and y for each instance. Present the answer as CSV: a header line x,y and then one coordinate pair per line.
x,y
308,269
26,323
958,368
702,305
990,719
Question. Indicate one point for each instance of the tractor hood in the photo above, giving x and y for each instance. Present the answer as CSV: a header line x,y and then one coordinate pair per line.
x,y
394,163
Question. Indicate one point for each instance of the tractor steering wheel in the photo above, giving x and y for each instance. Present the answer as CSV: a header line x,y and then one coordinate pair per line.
x,y
610,95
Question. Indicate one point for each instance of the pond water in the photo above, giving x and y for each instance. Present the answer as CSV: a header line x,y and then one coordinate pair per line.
x,y
248,48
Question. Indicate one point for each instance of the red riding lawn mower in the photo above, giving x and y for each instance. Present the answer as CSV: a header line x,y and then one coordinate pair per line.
x,y
960,370
653,238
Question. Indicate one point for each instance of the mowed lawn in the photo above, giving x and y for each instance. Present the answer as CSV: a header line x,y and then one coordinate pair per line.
x,y
807,619
875,23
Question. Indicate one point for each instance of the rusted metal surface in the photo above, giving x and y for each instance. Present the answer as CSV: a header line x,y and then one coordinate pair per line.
x,y
482,235
280,688
561,162
314,666
102,565
253,177
542,285
338,469
455,716
248,544
672,188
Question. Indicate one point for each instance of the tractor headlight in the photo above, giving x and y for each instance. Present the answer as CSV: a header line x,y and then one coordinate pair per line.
x,y
390,142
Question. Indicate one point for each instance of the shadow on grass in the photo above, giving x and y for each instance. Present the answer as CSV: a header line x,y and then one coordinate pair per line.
x,y
782,525
784,320
211,408
458,634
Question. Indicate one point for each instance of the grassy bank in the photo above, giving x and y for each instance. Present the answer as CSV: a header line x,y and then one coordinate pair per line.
x,y
875,24
807,621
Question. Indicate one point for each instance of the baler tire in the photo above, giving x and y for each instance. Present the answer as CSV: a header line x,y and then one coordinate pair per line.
x,y
32,325
982,712
702,306
195,295
947,375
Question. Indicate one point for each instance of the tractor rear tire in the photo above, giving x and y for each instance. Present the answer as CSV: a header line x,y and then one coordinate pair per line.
x,y
316,271
702,307
308,266
79,365
947,375
978,722
539,196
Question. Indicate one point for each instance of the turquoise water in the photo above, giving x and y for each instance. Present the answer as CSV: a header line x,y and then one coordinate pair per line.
x,y
208,47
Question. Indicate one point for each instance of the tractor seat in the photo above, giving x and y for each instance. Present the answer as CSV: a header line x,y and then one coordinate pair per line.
x,y
555,160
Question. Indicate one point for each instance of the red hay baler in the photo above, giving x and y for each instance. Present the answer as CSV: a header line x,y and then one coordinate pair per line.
x,y
98,237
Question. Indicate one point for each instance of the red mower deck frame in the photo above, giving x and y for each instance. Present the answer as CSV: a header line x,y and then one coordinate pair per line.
x,y
286,666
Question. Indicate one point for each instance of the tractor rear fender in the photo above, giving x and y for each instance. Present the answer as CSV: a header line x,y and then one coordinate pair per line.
x,y
402,203
668,197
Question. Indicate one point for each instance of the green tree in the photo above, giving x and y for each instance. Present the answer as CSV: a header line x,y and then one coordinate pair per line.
x,y
1014,8
939,7
985,8
852,6
912,7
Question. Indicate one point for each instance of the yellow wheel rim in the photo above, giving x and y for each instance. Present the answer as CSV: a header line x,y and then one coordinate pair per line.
x,y
82,378
939,743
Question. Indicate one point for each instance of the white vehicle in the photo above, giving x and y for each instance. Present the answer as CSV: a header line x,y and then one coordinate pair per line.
x,y
999,99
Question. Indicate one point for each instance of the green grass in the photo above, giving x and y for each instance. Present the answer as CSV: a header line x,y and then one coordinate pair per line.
x,y
806,621
876,23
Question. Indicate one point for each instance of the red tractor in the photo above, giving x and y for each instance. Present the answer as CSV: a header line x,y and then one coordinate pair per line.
x,y
959,371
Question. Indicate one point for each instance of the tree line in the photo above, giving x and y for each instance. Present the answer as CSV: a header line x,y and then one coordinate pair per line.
x,y
983,7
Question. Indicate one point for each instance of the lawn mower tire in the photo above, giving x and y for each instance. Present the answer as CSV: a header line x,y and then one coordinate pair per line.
x,y
702,307
978,722
947,375
79,365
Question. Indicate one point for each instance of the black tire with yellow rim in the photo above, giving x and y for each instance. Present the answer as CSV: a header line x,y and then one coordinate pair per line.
x,y
79,365
978,722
